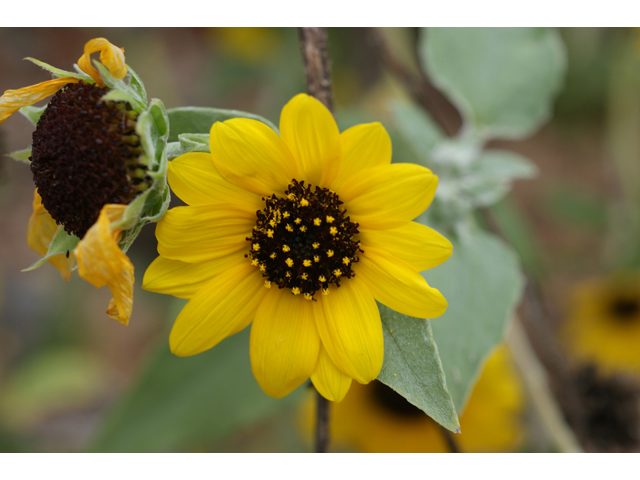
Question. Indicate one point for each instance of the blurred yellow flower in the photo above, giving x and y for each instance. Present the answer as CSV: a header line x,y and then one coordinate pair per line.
x,y
85,163
603,325
373,418
299,233
251,44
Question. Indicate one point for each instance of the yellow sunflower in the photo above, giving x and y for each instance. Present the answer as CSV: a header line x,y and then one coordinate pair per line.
x,y
299,233
603,325
96,167
375,419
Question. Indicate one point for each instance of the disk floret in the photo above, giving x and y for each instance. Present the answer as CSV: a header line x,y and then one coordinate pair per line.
x,y
304,241
625,308
86,154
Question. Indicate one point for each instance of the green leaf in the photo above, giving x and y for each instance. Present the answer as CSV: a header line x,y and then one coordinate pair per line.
x,y
200,119
184,403
412,366
136,101
503,164
118,96
421,132
483,284
151,127
137,85
188,142
516,228
503,80
61,243
59,73
32,113
194,142
483,191
21,155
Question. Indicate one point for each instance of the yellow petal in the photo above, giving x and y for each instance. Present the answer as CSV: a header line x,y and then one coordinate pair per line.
x,y
225,305
13,100
329,380
492,419
184,280
398,286
312,135
203,232
196,181
349,325
284,343
101,262
250,155
363,146
416,244
111,57
40,232
390,196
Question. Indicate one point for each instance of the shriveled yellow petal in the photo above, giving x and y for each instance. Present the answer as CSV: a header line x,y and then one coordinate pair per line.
x,y
349,325
250,155
13,100
40,231
398,286
111,57
416,244
389,196
203,232
329,380
363,146
225,305
196,181
284,343
101,262
184,280
312,135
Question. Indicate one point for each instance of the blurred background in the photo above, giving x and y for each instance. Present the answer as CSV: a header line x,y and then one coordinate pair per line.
x,y
71,379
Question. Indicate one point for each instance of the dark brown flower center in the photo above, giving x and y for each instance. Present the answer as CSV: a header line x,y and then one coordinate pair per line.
x,y
304,241
625,309
85,154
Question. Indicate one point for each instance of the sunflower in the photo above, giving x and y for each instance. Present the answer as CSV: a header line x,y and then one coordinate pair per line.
x,y
99,166
603,325
375,419
299,233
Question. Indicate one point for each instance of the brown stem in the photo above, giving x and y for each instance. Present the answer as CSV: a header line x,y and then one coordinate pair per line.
x,y
448,437
322,424
317,66
317,70
417,84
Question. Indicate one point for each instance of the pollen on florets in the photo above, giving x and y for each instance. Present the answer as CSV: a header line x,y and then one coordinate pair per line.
x,y
85,154
291,256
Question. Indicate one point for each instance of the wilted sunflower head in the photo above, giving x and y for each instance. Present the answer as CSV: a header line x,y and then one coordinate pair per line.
x,y
86,154
99,167
603,325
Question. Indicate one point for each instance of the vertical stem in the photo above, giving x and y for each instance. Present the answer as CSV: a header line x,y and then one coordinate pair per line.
x,y
537,385
317,70
317,66
448,437
322,424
